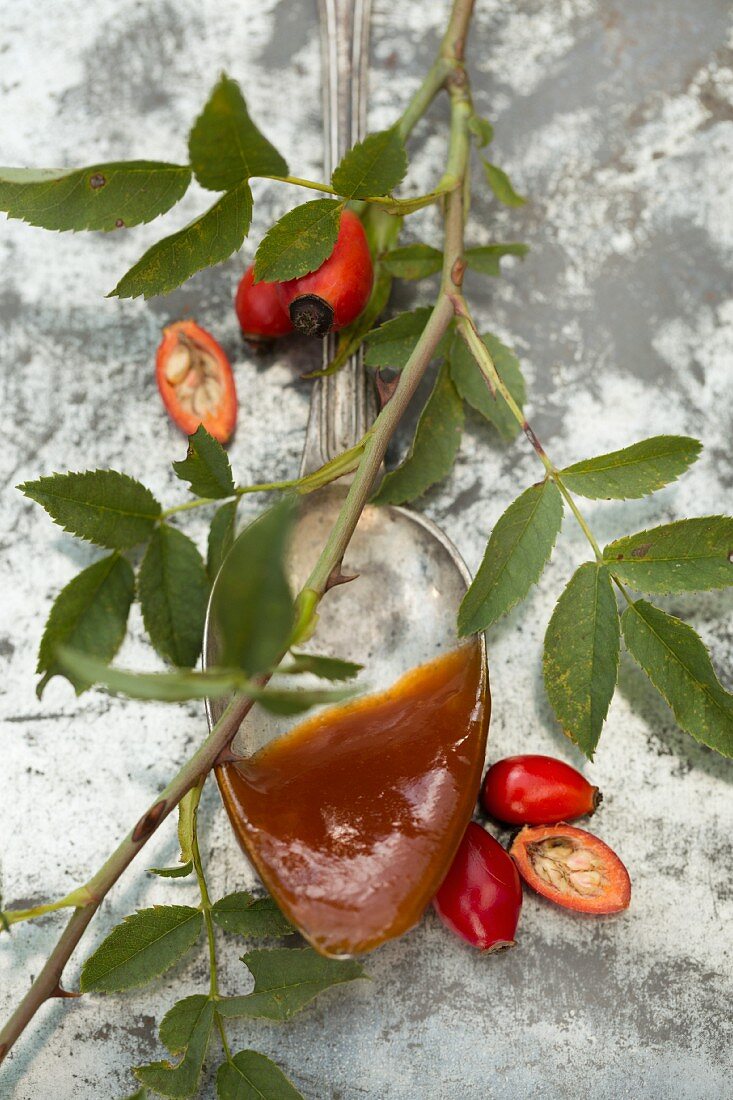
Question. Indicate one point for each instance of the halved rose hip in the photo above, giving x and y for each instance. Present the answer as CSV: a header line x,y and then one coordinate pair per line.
x,y
572,867
196,381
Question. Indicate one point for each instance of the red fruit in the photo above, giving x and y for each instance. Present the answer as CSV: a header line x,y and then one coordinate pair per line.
x,y
261,314
536,790
481,896
333,296
196,381
571,867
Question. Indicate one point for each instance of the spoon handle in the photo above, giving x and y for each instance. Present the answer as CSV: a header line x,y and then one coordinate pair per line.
x,y
342,405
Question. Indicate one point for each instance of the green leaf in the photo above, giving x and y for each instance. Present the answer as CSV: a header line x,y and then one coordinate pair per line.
x,y
581,655
174,592
182,871
372,167
140,1094
414,261
328,668
187,811
691,555
167,687
251,1076
299,242
434,448
101,506
482,130
145,945
179,1023
501,185
209,239
251,605
103,196
182,1079
295,702
206,466
89,615
286,980
221,537
225,146
634,471
253,917
392,344
678,664
485,258
517,552
473,387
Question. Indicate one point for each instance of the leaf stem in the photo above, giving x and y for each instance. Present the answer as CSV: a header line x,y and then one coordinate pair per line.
x,y
71,901
209,923
484,359
392,205
582,522
345,463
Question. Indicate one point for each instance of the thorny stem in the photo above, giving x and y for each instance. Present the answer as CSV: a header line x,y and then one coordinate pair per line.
x,y
46,984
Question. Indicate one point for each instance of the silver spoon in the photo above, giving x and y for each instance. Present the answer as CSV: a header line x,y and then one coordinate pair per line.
x,y
402,609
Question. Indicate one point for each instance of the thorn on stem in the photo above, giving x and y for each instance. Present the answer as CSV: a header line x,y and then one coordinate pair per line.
x,y
385,388
147,824
336,577
457,272
227,756
59,991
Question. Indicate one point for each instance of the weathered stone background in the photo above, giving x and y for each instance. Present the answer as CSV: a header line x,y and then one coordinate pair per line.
x,y
616,117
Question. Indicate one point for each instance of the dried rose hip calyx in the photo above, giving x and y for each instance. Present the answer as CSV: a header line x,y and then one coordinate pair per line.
x,y
195,380
572,867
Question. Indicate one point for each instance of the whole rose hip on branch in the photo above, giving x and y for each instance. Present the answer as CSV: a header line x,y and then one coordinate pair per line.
x,y
260,312
333,296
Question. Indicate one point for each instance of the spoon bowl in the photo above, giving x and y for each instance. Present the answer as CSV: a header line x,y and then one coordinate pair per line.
x,y
399,612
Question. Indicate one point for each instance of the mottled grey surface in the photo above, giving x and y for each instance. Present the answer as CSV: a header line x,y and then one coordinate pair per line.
x,y
616,118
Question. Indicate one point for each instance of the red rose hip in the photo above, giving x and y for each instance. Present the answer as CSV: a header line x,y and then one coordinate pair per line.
x,y
196,381
536,790
333,296
480,898
571,867
260,312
